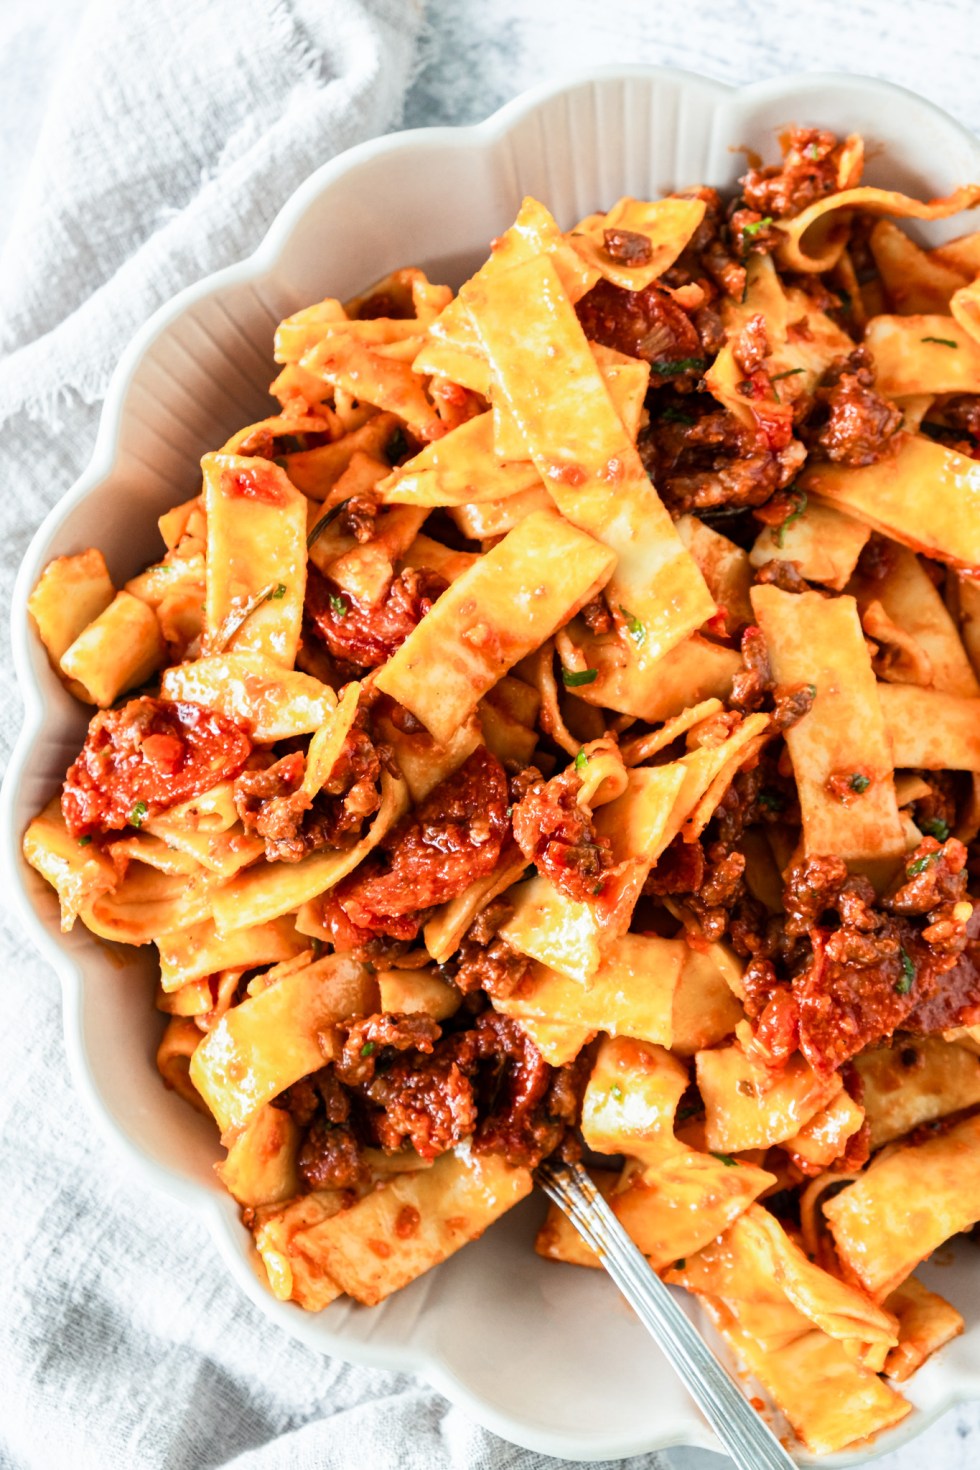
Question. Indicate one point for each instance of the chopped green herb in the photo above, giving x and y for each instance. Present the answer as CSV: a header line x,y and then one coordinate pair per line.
x,y
813,151
942,341
278,592
920,864
338,606
811,689
367,1049
757,225
84,841
904,985
573,678
634,628
138,815
935,827
789,373
682,365
581,761
616,1091
859,783
674,416
397,447
727,1160
772,800
689,1110
798,509
509,812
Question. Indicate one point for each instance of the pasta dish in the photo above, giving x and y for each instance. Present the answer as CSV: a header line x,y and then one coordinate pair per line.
x,y
557,728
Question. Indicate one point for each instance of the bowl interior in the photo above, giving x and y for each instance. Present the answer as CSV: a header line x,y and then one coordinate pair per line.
x,y
559,1363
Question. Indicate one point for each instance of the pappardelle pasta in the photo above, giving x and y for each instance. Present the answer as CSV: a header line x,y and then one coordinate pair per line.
x,y
560,724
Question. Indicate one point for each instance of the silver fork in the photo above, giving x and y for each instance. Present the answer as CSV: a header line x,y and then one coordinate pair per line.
x,y
747,1438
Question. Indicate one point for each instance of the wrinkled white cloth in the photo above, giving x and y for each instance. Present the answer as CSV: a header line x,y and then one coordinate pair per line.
x,y
142,145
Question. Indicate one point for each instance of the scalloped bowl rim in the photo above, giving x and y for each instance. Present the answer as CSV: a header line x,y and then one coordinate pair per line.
x,y
218,1213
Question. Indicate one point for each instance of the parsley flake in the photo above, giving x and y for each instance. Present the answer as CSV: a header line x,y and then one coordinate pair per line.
x,y
913,869
727,1160
84,841
634,628
798,510
757,225
581,761
682,365
935,827
278,592
904,985
138,815
338,606
367,1050
674,416
772,800
789,373
859,783
616,1091
574,678
942,341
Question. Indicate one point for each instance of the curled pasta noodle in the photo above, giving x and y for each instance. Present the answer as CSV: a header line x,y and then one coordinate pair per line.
x,y
558,722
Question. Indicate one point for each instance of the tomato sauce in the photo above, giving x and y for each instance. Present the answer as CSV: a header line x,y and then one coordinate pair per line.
x,y
145,757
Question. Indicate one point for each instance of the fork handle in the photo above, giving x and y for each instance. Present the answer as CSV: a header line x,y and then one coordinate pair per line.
x,y
746,1437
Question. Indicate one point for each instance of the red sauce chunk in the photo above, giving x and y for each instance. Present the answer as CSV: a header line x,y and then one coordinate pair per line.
x,y
557,835
647,324
145,757
454,837
362,634
956,999
258,481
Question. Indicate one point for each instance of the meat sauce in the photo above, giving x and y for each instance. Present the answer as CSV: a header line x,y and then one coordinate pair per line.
x,y
145,757
402,1082
453,837
840,969
272,803
365,636
557,835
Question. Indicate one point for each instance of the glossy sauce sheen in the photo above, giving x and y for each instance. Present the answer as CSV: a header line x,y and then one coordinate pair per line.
x,y
145,757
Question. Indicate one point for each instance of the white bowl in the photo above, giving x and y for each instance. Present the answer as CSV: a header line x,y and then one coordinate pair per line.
x,y
545,1355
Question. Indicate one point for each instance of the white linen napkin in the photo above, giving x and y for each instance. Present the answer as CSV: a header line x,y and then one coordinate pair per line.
x,y
173,133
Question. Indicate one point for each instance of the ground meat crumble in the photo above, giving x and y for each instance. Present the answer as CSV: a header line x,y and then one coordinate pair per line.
x,y
402,1082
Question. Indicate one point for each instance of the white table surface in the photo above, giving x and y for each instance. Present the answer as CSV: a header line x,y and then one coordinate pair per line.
x,y
475,56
